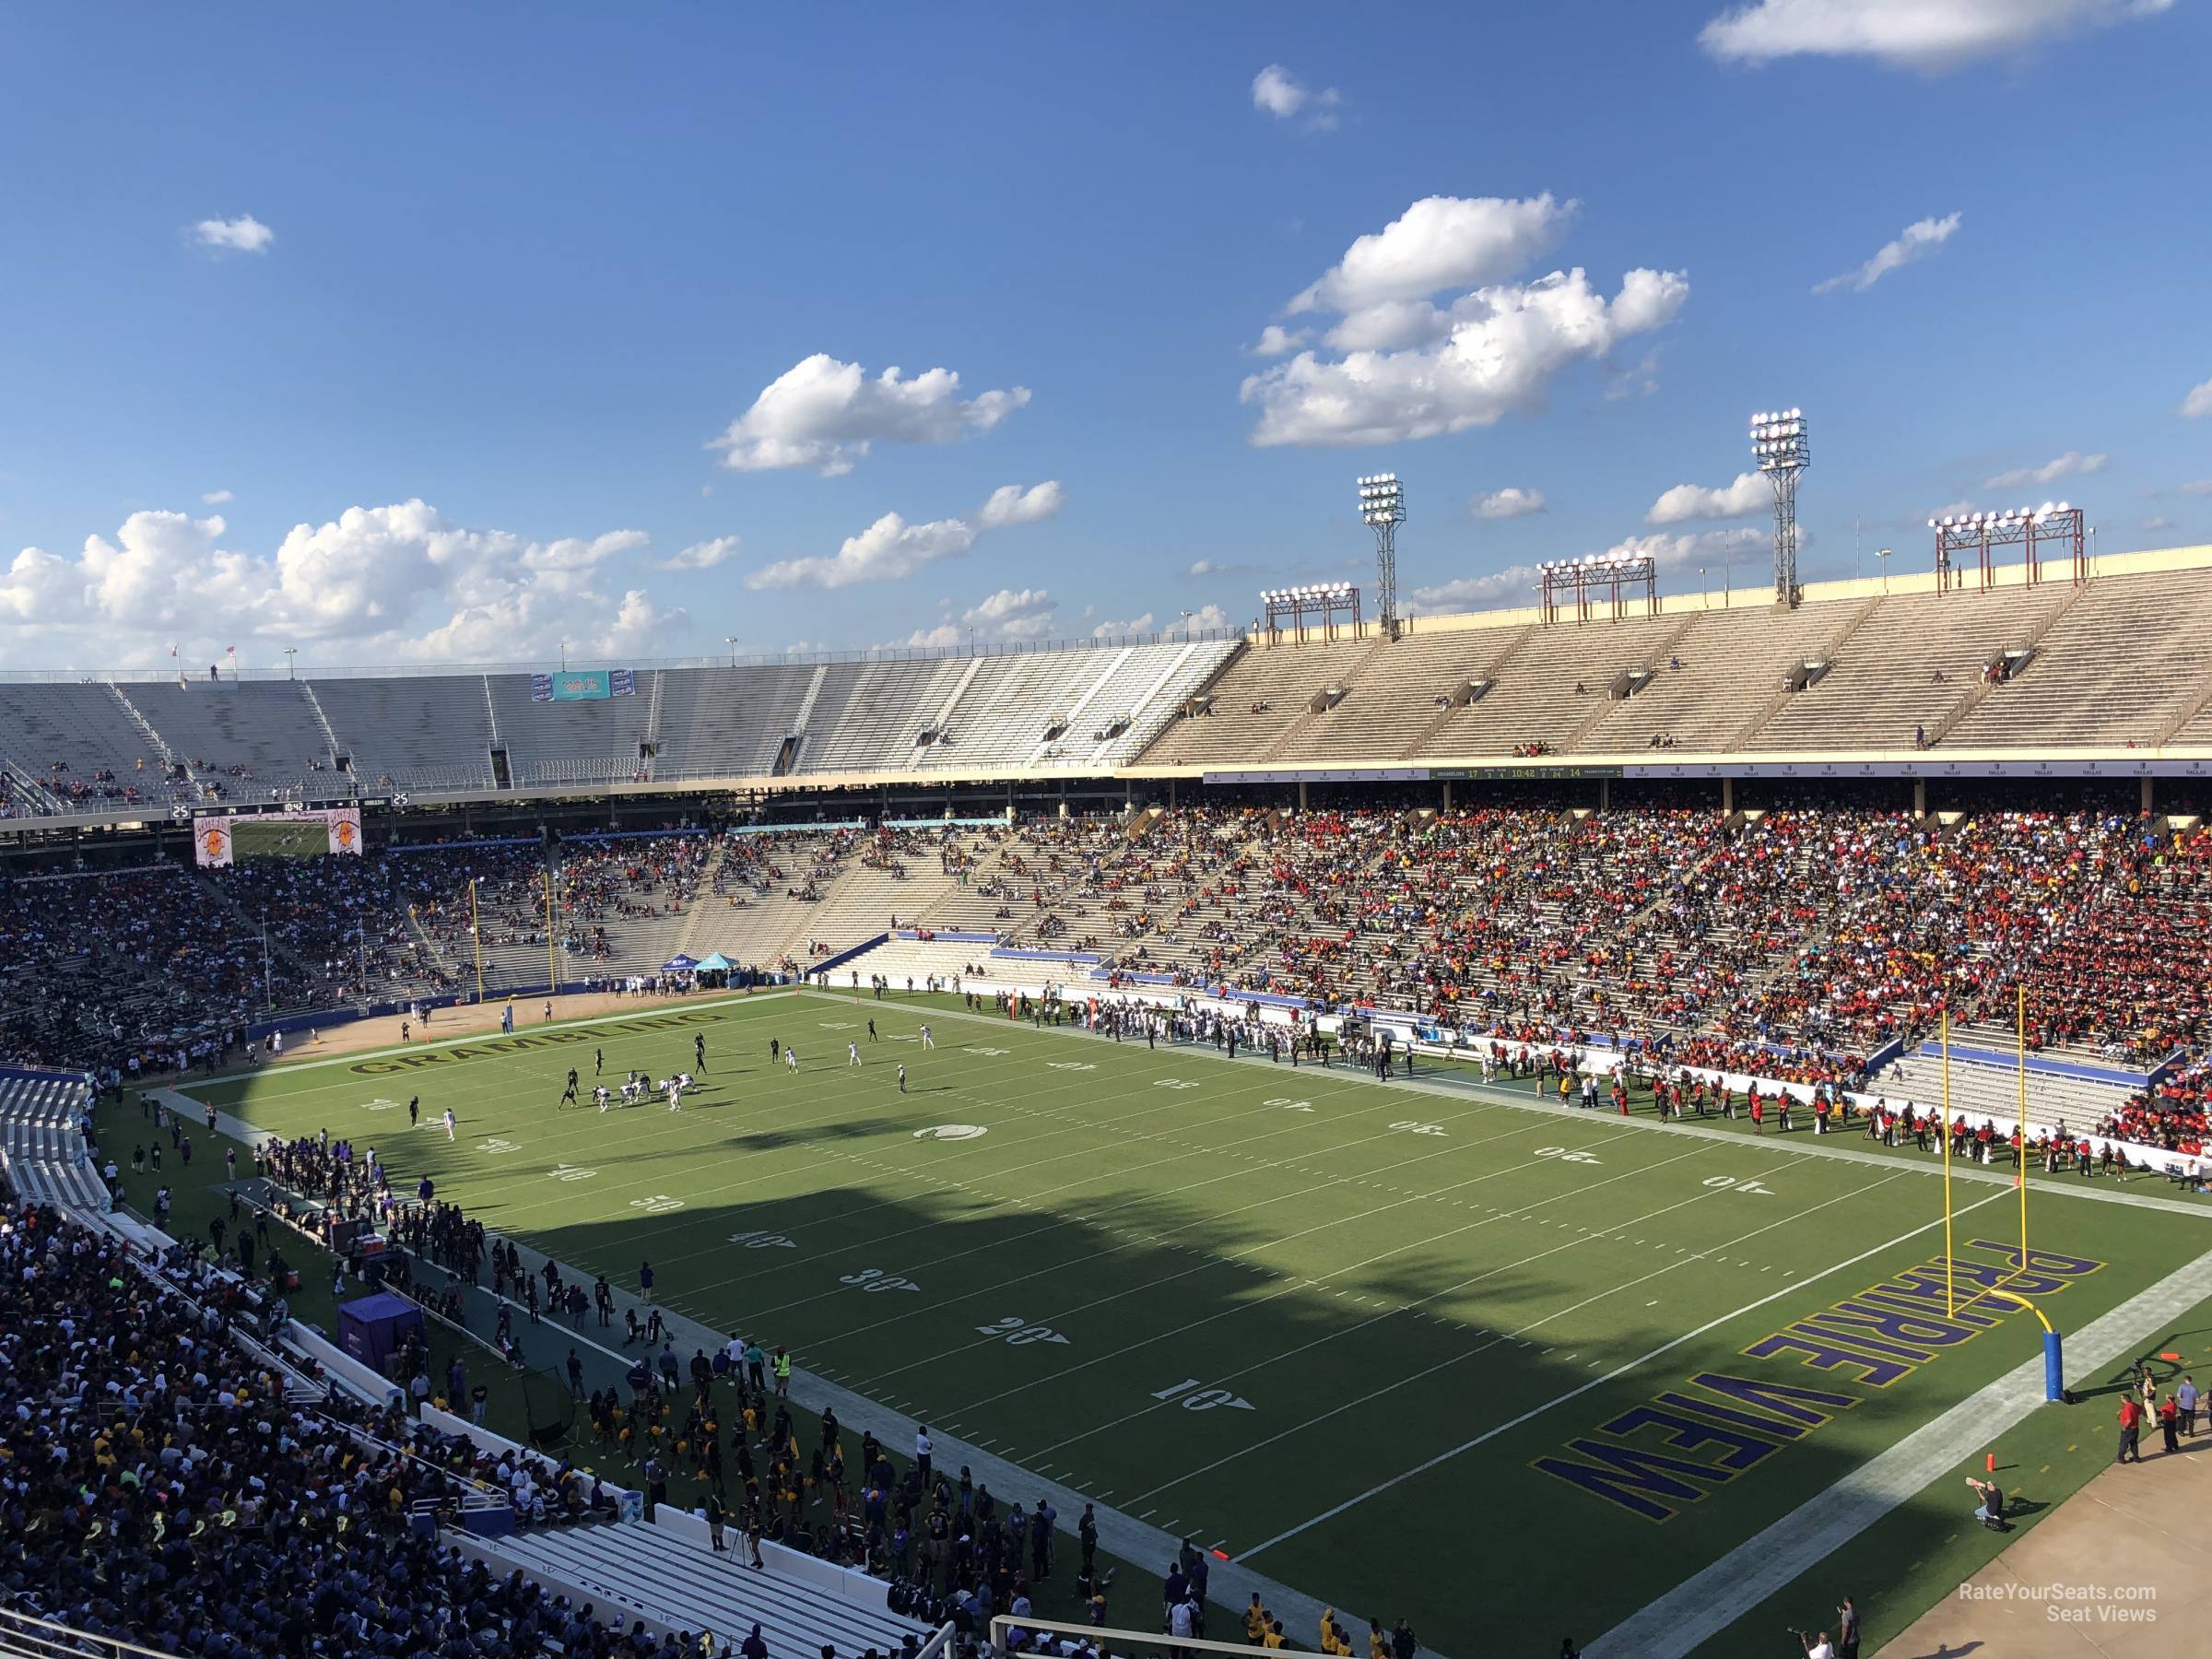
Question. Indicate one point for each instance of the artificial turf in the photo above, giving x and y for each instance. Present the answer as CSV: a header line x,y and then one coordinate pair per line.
x,y
1330,1327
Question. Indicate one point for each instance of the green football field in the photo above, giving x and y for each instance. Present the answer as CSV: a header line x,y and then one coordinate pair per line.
x,y
1509,1372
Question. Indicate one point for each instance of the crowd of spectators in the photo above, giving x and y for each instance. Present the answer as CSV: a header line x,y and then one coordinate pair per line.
x,y
1792,943
168,1483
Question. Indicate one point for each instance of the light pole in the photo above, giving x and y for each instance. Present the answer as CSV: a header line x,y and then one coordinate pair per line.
x,y
1783,449
1383,510
1881,558
1705,593
289,652
1186,617
731,640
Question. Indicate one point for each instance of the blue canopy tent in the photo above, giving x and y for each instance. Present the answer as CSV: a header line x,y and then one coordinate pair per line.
x,y
679,963
715,962
373,1328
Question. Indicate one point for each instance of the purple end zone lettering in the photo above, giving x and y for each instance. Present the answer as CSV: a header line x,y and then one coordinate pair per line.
x,y
1863,1339
1822,1354
1743,1419
1921,1330
2039,1261
1928,1307
1811,1406
1633,1479
1688,1433
2004,1278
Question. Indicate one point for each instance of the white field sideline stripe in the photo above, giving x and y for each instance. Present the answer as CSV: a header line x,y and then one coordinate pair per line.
x,y
1483,1347
1047,1137
496,1035
1818,1146
1620,1371
1707,1602
676,1226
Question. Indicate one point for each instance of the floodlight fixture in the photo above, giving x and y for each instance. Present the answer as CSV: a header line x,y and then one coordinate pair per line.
x,y
1783,450
1383,510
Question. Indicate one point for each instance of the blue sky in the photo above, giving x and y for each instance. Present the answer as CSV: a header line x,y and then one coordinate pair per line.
x,y
460,307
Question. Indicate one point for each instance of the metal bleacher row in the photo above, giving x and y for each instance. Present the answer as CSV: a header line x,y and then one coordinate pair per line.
x,y
41,1150
2116,662
101,745
649,1571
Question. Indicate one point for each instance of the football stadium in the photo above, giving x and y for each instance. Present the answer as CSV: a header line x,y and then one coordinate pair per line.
x,y
1633,1103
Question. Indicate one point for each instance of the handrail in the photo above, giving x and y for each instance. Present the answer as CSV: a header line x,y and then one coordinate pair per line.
x,y
25,1633
869,653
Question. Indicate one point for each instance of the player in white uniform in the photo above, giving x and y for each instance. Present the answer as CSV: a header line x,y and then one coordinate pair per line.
x,y
851,1053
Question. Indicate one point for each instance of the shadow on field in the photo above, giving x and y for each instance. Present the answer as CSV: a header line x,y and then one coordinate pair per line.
x,y
1282,1398
776,1140
1381,1357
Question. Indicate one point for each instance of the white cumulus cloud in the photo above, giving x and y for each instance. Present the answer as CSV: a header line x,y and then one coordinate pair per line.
x,y
825,414
244,234
397,582
1278,92
1926,35
887,550
1402,365
2199,401
1010,504
2071,464
1516,584
701,556
2157,521
1916,241
216,497
1277,341
1509,503
1440,242
1686,502
891,549
1493,352
1009,614
1143,623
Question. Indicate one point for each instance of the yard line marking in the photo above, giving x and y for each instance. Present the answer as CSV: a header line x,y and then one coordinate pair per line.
x,y
1599,1382
1706,1603
1287,1289
1212,1218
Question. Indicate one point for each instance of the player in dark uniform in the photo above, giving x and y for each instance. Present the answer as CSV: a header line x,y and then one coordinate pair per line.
x,y
775,1050
568,1097
699,1050
598,1063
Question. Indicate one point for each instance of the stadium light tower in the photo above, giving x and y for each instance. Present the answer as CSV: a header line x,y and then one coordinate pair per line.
x,y
1382,509
1783,449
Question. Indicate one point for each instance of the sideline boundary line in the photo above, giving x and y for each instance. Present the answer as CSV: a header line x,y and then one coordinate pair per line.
x,y
1492,1094
1708,1602
1617,1371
